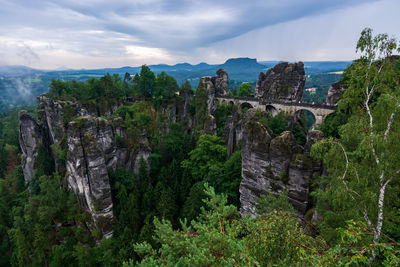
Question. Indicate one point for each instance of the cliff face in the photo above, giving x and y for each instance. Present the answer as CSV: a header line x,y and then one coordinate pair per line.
x,y
283,82
255,164
90,150
30,138
335,92
270,165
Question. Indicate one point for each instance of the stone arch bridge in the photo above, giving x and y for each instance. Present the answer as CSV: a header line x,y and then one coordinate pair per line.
x,y
320,111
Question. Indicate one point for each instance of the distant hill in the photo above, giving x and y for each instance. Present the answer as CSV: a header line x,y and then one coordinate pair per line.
x,y
14,71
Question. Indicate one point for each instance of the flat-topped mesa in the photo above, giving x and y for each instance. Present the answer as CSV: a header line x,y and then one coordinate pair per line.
x,y
283,82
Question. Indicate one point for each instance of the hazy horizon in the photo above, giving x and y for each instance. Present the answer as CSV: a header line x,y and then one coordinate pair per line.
x,y
193,64
52,34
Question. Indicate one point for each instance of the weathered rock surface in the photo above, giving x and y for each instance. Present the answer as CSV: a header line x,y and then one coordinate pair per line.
x,y
312,137
184,113
335,92
89,143
283,82
221,83
255,164
52,118
270,165
215,86
30,139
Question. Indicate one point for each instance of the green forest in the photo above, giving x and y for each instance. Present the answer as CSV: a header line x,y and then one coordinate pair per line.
x,y
183,208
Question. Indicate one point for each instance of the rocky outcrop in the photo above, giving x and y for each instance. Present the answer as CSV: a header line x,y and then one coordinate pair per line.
x,y
312,137
185,111
233,133
215,86
221,83
255,164
143,152
283,82
335,92
30,139
90,150
210,125
52,118
272,164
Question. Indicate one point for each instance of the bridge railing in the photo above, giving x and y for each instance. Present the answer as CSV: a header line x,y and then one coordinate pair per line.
x,y
287,103
300,104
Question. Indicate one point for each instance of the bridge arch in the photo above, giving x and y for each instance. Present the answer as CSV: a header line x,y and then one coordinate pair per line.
x,y
307,117
245,105
271,109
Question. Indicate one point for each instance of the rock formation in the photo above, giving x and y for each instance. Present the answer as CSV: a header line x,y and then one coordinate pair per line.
x,y
283,82
271,164
30,138
335,92
92,151
215,86
184,113
89,143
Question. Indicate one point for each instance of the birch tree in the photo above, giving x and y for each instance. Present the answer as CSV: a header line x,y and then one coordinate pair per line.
x,y
364,163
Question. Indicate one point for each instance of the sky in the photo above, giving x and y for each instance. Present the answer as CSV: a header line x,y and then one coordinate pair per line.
x,y
55,34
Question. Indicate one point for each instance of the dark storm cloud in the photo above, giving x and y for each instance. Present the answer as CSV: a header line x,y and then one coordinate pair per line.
x,y
169,24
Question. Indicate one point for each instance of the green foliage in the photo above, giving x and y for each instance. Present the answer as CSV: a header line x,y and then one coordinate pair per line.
x,y
165,86
232,178
270,202
200,106
277,240
146,81
277,123
208,241
35,224
245,89
300,134
221,113
220,237
322,82
363,164
186,85
44,163
210,152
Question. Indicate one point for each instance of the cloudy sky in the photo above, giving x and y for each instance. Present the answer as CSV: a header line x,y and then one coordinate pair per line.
x,y
55,34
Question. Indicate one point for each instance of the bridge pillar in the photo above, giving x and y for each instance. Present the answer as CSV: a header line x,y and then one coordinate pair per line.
x,y
318,120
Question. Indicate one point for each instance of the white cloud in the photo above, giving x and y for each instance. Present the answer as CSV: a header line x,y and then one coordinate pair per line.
x,y
148,53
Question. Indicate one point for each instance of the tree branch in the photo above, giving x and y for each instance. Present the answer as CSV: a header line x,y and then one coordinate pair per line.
x,y
390,122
